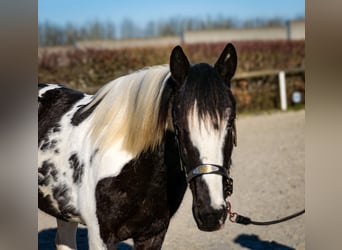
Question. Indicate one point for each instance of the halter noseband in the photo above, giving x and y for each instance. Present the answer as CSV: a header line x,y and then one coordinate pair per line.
x,y
206,169
212,169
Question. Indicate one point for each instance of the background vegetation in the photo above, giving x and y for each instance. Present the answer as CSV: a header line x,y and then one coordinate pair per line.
x,y
90,69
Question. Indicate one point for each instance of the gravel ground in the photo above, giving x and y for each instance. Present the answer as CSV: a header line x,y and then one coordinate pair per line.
x,y
268,171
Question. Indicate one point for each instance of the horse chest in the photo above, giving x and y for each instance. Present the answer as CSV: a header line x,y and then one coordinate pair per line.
x,y
135,201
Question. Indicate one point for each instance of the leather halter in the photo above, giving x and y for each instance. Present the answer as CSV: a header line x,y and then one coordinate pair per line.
x,y
209,168
206,169
212,169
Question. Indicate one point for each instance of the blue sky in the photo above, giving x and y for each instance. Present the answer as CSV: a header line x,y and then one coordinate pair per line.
x,y
81,11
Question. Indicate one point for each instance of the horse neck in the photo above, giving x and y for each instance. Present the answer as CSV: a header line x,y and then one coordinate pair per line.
x,y
134,109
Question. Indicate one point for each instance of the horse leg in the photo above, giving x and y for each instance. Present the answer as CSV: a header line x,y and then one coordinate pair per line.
x,y
94,239
66,235
153,243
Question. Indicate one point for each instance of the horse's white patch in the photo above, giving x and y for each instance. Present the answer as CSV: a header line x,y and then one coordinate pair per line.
x,y
113,154
47,88
209,142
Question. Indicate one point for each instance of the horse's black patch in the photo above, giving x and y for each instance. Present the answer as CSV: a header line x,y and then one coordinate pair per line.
x,y
93,155
42,85
47,170
81,115
176,181
45,204
48,145
54,174
53,144
77,166
141,199
57,128
52,106
61,194
228,149
44,146
43,180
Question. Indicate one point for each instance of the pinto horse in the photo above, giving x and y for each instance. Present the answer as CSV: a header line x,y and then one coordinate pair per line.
x,y
119,161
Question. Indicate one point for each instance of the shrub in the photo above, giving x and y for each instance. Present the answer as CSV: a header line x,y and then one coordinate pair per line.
x,y
90,69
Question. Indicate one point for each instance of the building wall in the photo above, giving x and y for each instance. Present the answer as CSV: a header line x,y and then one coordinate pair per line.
x,y
297,29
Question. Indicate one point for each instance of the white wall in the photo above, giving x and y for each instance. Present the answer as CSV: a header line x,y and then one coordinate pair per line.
x,y
272,33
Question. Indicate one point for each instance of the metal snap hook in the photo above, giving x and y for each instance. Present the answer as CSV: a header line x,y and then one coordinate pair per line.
x,y
232,215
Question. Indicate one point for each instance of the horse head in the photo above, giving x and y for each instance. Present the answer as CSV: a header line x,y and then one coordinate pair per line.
x,y
203,113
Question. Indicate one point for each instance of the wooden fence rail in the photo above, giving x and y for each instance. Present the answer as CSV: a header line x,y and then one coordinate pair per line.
x,y
281,80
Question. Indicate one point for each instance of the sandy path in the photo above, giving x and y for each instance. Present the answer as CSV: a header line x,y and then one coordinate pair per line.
x,y
268,171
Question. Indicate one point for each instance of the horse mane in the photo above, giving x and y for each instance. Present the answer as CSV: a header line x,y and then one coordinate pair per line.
x,y
127,111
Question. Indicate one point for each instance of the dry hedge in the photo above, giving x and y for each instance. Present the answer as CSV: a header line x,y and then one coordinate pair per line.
x,y
90,69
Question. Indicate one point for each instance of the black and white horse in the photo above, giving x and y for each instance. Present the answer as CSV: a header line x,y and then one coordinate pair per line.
x,y
119,161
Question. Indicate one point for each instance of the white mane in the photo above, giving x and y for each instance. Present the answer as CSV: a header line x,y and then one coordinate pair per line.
x,y
128,110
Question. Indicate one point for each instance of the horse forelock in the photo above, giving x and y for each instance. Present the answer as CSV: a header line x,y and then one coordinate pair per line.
x,y
127,111
206,96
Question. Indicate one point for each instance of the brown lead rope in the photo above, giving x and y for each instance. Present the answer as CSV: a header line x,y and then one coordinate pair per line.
x,y
237,218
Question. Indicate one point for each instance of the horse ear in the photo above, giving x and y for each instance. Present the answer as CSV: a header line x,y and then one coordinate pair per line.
x,y
179,65
226,64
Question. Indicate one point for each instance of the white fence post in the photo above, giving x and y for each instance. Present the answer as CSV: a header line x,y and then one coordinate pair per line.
x,y
282,90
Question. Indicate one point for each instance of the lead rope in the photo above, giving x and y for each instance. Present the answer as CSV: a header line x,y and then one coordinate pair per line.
x,y
233,216
240,219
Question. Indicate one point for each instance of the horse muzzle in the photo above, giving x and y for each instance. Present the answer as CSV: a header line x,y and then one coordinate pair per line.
x,y
210,220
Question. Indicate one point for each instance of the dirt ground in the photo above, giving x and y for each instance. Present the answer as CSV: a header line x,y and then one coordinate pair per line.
x,y
268,171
